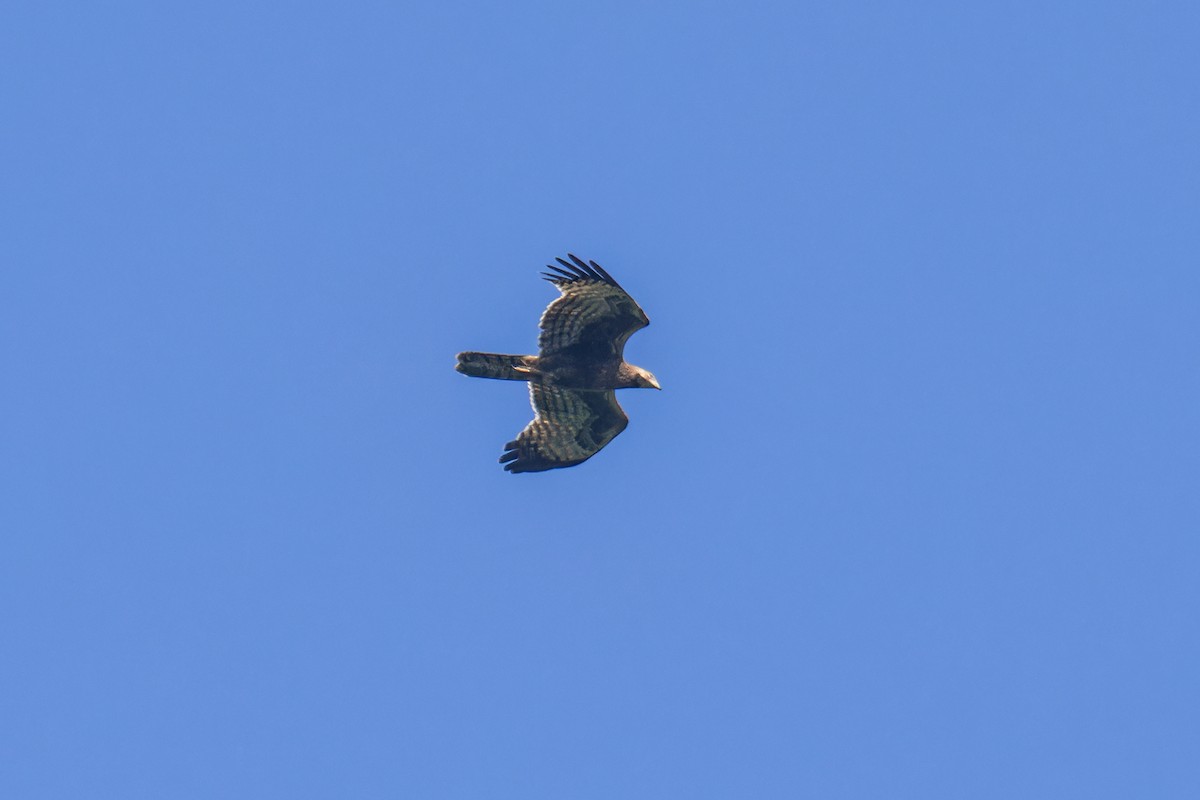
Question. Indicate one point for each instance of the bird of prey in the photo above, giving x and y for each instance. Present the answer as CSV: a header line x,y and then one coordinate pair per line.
x,y
580,362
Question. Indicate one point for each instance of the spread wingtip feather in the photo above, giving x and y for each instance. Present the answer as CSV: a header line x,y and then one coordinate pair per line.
x,y
578,270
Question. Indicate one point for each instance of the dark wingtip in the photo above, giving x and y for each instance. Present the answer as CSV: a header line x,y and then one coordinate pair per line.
x,y
604,274
510,453
583,267
563,274
575,273
589,270
577,270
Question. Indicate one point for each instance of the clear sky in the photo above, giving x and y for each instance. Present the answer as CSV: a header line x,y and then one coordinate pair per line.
x,y
915,515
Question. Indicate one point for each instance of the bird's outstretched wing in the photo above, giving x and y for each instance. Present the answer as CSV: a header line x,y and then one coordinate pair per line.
x,y
593,318
569,427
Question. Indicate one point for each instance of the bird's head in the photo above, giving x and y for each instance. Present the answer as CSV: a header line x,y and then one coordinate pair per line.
x,y
646,380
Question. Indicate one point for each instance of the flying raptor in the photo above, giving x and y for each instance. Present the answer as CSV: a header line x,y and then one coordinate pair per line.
x,y
580,362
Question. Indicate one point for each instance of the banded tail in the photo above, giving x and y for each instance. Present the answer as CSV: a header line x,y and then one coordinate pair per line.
x,y
498,366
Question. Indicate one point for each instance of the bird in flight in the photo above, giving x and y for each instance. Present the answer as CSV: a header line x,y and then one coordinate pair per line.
x,y
580,362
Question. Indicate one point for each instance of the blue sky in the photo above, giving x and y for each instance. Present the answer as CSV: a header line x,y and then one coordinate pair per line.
x,y
915,515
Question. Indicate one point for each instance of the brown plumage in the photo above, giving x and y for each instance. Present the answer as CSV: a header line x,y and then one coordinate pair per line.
x,y
580,362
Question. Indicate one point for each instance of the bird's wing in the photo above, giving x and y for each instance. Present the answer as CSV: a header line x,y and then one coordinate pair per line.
x,y
594,317
569,427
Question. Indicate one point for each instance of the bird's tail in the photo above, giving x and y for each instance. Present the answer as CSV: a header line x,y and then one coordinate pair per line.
x,y
495,365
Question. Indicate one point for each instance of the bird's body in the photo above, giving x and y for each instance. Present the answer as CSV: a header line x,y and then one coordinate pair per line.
x,y
580,363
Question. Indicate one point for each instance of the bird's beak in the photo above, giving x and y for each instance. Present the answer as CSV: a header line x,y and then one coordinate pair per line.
x,y
654,383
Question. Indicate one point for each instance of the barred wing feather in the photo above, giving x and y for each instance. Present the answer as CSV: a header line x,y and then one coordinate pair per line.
x,y
593,316
569,427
